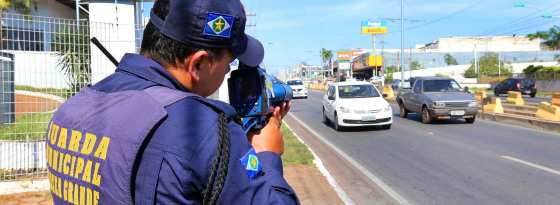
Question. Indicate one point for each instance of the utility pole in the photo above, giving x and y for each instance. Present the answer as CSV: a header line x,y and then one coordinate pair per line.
x,y
476,63
499,66
402,42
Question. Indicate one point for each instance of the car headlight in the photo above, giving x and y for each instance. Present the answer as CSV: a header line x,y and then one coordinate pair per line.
x,y
473,104
344,110
439,104
388,108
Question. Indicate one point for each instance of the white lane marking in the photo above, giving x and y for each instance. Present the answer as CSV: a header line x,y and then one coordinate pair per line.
x,y
372,177
536,166
339,191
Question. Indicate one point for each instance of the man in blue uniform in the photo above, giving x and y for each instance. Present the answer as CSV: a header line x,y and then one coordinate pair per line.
x,y
147,135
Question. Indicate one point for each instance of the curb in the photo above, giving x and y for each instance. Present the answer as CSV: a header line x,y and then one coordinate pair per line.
x,y
42,95
16,187
370,176
529,122
319,164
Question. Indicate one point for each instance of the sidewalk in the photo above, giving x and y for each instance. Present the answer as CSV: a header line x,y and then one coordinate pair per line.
x,y
310,185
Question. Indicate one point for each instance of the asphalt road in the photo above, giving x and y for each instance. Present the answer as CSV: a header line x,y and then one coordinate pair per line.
x,y
450,162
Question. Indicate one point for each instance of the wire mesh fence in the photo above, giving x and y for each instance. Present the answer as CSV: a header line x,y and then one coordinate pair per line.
x,y
420,60
44,61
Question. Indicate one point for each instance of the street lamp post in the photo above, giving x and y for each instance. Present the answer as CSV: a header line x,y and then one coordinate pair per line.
x,y
402,42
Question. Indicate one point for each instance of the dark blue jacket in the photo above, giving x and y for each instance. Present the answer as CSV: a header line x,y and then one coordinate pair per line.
x,y
175,163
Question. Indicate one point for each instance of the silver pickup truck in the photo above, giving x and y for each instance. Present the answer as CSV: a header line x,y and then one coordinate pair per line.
x,y
437,98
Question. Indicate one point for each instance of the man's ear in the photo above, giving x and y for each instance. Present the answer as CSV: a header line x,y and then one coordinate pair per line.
x,y
195,63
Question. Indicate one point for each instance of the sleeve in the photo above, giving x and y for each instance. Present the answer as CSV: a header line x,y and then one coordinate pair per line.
x,y
267,187
189,151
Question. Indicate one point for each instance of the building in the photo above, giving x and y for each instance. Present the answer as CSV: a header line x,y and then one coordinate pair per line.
x,y
483,43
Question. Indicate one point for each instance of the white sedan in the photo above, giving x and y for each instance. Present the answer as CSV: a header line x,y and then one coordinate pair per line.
x,y
298,89
353,104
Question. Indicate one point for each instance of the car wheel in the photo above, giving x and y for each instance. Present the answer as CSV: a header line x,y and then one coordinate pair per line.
x,y
403,112
470,120
426,117
496,94
337,127
325,119
533,95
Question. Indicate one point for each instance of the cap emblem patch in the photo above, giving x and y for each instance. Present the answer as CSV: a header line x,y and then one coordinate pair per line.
x,y
218,25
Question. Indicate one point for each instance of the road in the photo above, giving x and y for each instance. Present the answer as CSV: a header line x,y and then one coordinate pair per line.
x,y
450,162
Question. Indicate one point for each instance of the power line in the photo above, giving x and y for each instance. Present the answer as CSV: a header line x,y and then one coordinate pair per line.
x,y
527,27
446,16
516,22
470,6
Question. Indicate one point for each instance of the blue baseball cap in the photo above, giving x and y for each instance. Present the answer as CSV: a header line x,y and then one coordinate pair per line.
x,y
211,24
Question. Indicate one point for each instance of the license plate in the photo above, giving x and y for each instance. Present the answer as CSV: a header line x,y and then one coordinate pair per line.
x,y
369,118
457,113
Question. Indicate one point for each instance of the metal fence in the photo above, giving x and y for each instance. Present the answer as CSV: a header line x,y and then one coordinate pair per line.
x,y
436,60
43,61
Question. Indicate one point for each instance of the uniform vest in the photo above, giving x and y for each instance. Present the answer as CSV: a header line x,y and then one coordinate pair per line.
x,y
93,141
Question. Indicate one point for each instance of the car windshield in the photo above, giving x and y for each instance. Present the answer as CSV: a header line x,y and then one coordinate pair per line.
x,y
357,91
441,86
528,82
295,82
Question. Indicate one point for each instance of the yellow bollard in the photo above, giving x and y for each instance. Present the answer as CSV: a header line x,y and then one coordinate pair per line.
x,y
515,98
556,99
495,106
480,95
387,89
548,111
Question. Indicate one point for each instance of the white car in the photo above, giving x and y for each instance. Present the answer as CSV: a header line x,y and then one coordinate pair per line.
x,y
298,89
353,104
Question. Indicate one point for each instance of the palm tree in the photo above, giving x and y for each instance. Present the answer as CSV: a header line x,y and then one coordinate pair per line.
x,y
75,56
326,56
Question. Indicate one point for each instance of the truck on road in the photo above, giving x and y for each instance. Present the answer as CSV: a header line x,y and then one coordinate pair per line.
x,y
437,98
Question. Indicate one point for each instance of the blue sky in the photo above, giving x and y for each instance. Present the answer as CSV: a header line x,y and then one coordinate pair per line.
x,y
295,30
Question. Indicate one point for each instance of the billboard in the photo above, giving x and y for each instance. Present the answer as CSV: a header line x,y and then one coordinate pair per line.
x,y
374,27
344,56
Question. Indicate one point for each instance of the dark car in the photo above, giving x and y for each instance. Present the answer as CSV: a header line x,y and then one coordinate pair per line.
x,y
523,85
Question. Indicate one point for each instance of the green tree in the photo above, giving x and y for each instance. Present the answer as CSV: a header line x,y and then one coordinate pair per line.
x,y
551,37
450,60
532,69
326,56
415,65
23,6
72,45
389,70
489,66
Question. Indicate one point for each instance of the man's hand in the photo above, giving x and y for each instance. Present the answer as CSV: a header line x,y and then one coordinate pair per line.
x,y
270,138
